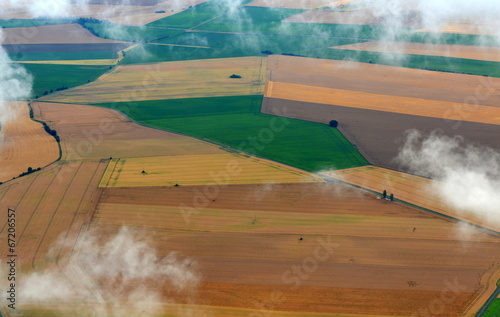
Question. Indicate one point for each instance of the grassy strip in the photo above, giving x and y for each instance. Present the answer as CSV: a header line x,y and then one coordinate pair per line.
x,y
49,78
493,310
237,122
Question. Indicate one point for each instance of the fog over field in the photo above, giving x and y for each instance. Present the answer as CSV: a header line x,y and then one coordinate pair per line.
x,y
133,272
15,84
468,176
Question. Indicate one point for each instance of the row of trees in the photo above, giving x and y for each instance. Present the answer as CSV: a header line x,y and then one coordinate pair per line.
x,y
46,92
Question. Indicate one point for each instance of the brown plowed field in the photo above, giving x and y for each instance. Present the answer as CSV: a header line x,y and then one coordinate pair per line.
x,y
52,34
247,237
24,144
172,80
383,80
458,51
112,134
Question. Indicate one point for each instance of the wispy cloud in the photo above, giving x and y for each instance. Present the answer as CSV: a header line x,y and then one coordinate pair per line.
x,y
468,176
15,84
121,275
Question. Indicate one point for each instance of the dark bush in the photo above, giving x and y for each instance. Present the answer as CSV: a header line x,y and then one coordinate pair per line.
x,y
334,123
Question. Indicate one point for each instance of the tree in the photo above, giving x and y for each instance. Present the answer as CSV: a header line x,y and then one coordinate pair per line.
x,y
235,76
391,197
30,169
384,194
334,123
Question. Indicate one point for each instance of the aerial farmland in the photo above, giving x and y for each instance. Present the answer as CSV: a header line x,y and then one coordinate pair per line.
x,y
234,158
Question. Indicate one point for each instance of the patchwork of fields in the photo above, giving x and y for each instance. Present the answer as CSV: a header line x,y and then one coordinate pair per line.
x,y
376,105
205,133
243,228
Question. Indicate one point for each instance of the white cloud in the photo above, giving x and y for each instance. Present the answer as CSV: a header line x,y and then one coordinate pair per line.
x,y
468,176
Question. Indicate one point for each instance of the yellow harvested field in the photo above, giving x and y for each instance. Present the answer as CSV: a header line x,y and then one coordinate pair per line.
x,y
189,170
413,189
24,144
378,249
270,221
363,100
172,80
121,14
458,51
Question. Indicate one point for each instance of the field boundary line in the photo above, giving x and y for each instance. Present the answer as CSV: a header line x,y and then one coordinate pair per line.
x,y
330,179
21,199
32,117
105,177
75,214
36,207
436,213
33,260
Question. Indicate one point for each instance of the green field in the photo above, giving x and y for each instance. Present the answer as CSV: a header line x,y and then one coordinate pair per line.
x,y
224,45
196,15
229,45
494,309
62,56
437,63
129,33
251,19
52,77
238,123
